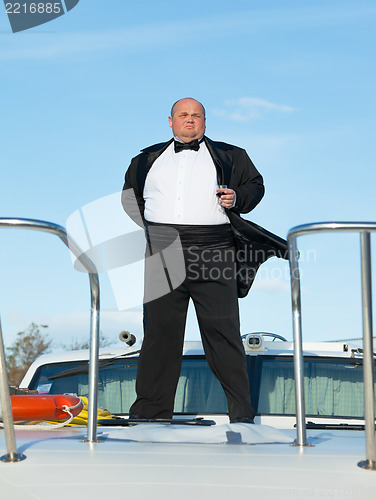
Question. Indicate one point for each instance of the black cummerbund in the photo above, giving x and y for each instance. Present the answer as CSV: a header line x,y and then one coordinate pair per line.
x,y
160,236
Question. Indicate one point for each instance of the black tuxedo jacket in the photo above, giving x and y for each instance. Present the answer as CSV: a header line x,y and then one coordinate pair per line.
x,y
254,244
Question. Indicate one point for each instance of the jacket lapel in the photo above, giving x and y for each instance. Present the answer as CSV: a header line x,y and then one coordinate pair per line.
x,y
218,151
221,159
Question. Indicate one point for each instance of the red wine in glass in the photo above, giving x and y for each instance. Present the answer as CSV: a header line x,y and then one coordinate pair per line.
x,y
221,186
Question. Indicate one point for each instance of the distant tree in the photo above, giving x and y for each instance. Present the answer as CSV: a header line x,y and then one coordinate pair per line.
x,y
76,345
28,345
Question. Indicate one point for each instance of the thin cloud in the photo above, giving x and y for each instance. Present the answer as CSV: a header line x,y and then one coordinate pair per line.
x,y
158,35
246,109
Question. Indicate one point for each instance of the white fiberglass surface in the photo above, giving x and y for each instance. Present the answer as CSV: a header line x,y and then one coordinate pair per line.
x,y
60,464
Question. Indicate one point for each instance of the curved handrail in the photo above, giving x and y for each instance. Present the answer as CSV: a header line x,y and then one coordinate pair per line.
x,y
321,227
274,336
50,227
364,228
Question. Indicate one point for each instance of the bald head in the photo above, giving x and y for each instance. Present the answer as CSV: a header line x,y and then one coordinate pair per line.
x,y
173,109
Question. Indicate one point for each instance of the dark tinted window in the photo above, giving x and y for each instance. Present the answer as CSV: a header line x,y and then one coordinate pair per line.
x,y
332,387
198,390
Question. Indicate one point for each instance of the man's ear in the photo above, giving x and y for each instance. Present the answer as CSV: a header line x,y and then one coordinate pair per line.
x,y
170,121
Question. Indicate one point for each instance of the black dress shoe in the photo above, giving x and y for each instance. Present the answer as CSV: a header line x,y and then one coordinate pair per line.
x,y
242,420
134,416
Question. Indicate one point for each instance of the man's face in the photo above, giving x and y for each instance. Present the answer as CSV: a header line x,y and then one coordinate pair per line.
x,y
188,120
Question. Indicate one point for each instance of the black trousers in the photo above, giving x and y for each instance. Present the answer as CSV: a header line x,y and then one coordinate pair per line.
x,y
211,284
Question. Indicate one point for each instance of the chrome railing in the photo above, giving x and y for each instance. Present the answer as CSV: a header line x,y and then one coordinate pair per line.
x,y
365,229
59,231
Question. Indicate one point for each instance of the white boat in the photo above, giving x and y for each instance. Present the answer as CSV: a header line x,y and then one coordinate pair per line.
x,y
315,441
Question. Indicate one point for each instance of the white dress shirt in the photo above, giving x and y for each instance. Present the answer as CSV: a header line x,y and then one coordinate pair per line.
x,y
180,188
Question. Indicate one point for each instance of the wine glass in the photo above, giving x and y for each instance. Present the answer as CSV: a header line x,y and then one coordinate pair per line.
x,y
221,186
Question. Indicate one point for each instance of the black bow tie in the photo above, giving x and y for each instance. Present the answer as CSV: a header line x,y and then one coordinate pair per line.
x,y
179,146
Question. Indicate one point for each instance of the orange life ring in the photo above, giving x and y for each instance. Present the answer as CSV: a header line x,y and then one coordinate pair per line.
x,y
44,407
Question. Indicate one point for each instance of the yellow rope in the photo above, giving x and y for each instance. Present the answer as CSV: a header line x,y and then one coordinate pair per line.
x,y
81,419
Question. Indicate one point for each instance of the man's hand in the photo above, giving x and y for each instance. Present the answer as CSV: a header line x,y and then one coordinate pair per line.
x,y
227,197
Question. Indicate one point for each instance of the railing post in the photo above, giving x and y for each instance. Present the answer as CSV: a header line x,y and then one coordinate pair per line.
x,y
92,422
368,363
301,439
94,322
10,438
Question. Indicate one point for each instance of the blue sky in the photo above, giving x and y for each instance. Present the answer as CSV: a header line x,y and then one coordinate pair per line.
x,y
292,82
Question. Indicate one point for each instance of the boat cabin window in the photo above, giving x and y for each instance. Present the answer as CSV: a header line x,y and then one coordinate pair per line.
x,y
333,387
198,390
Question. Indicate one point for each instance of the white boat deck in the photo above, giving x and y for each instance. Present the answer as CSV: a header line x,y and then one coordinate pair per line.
x,y
59,465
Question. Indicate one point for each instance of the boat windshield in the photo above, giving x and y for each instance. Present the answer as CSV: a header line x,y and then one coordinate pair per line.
x,y
333,386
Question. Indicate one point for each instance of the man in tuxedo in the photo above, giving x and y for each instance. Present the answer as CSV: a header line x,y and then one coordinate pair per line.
x,y
175,185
